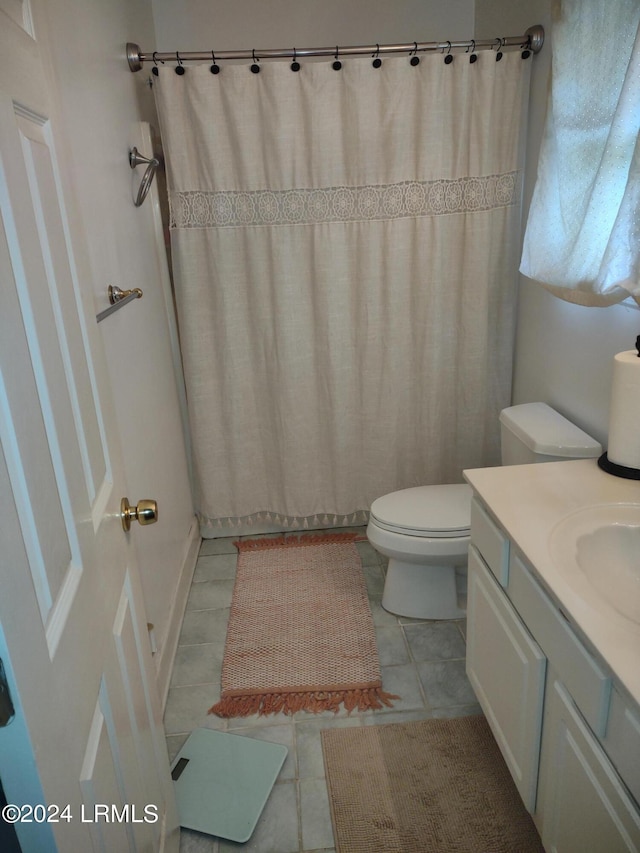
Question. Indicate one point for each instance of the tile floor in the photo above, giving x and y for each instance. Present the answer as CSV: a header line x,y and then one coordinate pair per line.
x,y
423,662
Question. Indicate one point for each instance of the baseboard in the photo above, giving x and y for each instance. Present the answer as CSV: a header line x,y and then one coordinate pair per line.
x,y
166,653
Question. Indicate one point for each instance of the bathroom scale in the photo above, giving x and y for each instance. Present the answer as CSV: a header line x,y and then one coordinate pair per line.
x,y
222,782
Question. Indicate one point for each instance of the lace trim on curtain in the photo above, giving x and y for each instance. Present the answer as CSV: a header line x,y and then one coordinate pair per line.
x,y
199,209
287,522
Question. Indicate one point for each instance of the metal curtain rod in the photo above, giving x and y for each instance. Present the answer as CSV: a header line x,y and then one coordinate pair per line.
x,y
533,40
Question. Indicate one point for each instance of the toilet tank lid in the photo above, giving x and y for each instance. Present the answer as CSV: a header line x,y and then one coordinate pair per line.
x,y
545,431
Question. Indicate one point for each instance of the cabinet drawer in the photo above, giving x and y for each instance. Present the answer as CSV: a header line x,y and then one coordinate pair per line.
x,y
586,681
490,541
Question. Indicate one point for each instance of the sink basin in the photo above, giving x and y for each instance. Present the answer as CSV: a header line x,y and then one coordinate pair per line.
x,y
597,551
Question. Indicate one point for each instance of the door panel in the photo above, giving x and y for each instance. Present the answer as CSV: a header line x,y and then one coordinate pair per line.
x,y
53,228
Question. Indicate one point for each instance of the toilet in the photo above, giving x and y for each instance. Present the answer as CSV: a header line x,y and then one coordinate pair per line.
x,y
424,531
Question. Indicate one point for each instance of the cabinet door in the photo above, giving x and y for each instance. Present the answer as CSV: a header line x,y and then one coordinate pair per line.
x,y
583,804
506,669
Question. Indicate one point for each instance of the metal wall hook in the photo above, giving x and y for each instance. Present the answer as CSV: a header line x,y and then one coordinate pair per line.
x,y
116,294
118,298
137,159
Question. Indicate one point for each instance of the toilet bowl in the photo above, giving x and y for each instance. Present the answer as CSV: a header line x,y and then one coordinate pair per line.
x,y
424,530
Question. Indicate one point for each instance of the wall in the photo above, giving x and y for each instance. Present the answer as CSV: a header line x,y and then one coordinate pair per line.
x,y
247,24
102,104
564,352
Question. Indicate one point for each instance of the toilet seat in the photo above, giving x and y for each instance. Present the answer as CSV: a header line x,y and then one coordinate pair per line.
x,y
426,511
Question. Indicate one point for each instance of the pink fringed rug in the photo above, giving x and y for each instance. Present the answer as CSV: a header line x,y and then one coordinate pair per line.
x,y
300,634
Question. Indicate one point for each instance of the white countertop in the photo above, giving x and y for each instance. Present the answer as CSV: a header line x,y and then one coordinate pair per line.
x,y
529,501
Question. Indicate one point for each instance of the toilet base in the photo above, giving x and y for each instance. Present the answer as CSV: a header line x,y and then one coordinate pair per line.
x,y
421,591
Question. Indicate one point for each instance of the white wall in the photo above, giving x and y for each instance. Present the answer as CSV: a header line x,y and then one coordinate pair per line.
x,y
247,24
564,352
102,104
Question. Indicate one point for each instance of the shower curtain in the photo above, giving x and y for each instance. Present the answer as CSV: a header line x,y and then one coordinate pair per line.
x,y
344,249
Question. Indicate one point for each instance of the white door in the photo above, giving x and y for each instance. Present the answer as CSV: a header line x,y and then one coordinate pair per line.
x,y
83,758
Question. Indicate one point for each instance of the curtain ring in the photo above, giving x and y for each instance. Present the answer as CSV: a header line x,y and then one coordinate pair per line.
x,y
215,68
448,58
474,55
295,65
500,45
337,65
415,60
154,70
179,67
377,62
255,68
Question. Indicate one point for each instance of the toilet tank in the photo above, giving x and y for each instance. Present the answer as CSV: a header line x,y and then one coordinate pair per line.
x,y
534,432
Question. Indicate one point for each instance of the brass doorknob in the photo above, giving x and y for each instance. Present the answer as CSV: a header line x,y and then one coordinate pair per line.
x,y
146,512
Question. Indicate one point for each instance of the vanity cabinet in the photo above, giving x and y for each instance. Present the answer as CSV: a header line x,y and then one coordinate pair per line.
x,y
567,732
506,668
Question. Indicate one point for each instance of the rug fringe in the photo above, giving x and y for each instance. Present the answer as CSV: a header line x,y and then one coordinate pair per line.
x,y
264,544
366,699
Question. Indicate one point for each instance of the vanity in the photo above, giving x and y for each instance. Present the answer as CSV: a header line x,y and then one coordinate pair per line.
x,y
553,644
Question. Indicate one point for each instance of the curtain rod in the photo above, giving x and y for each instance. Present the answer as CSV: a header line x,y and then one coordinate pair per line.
x,y
533,40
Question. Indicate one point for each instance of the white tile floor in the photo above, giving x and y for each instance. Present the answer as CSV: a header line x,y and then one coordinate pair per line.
x,y
422,662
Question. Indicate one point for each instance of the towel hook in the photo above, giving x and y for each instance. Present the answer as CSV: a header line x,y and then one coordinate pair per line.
x,y
137,159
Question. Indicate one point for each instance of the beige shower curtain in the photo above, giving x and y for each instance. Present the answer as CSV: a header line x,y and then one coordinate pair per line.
x,y
345,250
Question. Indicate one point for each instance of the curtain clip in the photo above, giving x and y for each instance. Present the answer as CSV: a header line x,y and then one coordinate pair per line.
x,y
474,56
448,58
